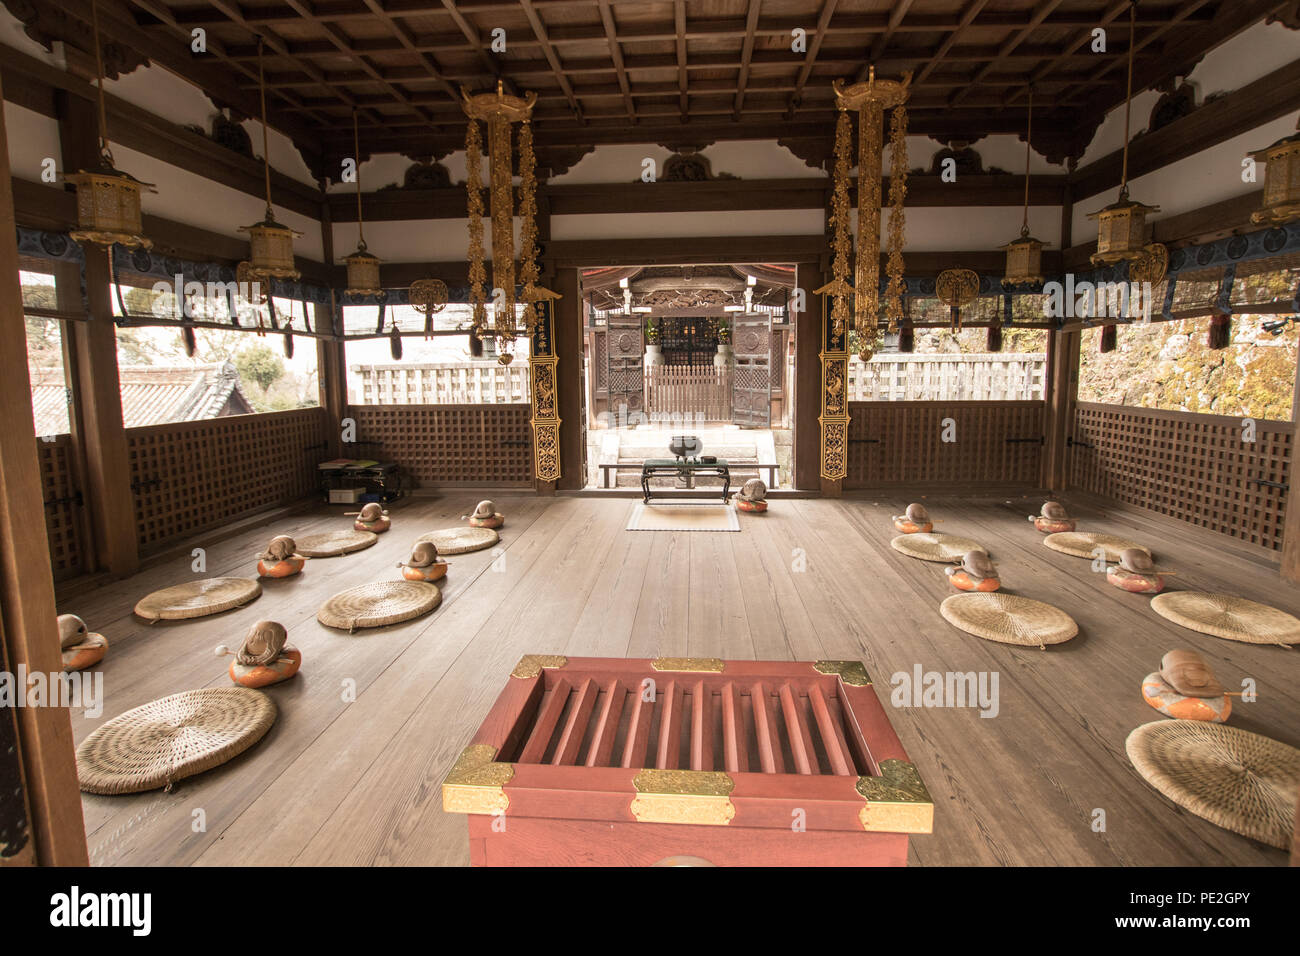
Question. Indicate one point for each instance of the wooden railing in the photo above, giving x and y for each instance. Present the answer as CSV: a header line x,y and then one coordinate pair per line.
x,y
190,477
938,377
1198,468
450,445
449,383
701,391
952,443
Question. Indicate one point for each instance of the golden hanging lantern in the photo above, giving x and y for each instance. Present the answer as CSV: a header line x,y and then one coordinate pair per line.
x,y
270,249
1024,260
363,268
1025,255
108,200
1121,226
270,244
108,206
1281,181
363,273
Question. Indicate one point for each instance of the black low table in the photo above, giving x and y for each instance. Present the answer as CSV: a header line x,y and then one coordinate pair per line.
x,y
687,468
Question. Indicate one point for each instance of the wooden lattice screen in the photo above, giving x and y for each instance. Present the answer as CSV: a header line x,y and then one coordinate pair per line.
x,y
192,476
1197,468
61,490
902,443
451,444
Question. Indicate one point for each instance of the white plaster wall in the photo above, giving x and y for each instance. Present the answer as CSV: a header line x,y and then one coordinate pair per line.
x,y
1251,54
968,228
189,198
670,225
1207,177
32,138
438,240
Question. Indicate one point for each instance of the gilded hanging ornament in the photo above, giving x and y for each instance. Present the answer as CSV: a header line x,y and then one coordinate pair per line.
x,y
870,99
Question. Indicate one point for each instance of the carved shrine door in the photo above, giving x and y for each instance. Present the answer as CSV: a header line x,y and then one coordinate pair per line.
x,y
624,355
751,376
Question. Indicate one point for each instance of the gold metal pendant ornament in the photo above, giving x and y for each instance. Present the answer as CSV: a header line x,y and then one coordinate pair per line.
x,y
957,288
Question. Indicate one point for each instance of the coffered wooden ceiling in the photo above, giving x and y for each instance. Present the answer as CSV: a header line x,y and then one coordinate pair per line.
x,y
675,72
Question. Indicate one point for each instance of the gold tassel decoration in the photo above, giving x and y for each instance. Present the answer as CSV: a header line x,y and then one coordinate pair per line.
x,y
502,196
841,243
474,190
528,225
897,219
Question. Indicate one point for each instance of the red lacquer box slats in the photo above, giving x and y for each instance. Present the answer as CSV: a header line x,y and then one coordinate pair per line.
x,y
607,761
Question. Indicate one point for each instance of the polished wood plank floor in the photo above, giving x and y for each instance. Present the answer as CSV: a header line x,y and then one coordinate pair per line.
x,y
348,778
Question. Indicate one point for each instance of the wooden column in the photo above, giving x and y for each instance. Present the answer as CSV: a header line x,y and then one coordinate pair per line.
x,y
808,382
1061,391
27,609
1290,564
331,357
98,392
567,327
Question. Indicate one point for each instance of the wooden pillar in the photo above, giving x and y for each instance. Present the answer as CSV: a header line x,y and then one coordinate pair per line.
x,y
97,390
27,609
567,326
1290,564
331,357
1060,391
808,382
1061,388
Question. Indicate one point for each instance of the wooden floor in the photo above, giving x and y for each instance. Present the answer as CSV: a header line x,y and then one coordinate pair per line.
x,y
338,782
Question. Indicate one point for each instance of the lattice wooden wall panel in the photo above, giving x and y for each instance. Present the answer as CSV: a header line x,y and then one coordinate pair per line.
x,y
451,444
60,488
902,442
1193,467
192,476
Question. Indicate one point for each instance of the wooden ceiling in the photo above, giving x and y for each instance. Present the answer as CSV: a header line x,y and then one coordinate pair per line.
x,y
683,73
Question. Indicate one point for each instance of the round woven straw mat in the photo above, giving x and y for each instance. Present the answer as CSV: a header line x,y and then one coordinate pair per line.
x,y
1083,544
934,547
1009,619
197,599
1240,781
374,605
169,739
461,540
331,544
1228,616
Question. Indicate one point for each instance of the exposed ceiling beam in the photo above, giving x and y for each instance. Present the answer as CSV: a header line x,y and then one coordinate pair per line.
x,y
746,53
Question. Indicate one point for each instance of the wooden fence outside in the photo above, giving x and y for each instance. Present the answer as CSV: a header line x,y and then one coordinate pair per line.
x,y
937,377
444,383
701,391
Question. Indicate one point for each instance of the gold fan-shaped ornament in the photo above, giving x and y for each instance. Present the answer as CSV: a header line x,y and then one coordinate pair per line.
x,y
429,296
957,288
1151,265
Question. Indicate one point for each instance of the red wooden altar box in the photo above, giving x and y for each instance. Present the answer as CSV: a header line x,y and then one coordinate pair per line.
x,y
582,762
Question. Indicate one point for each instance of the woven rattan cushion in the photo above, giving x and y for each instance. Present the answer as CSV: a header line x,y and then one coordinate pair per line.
x,y
461,540
934,547
1240,781
1228,616
1009,619
197,599
330,544
169,739
375,605
1083,544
